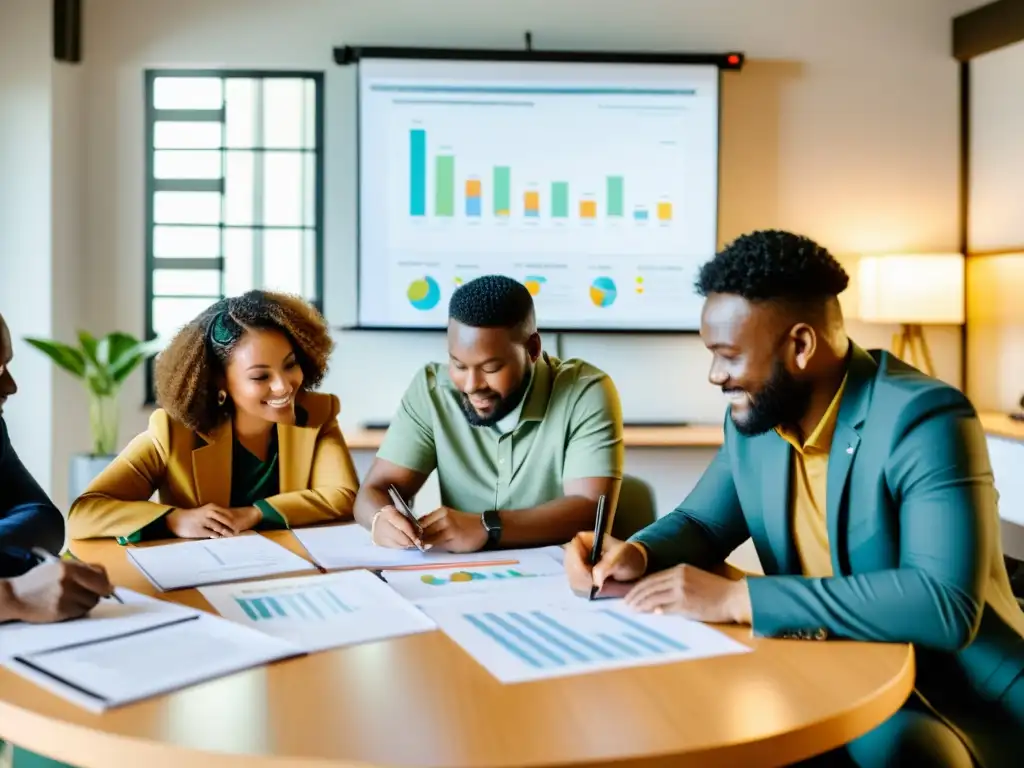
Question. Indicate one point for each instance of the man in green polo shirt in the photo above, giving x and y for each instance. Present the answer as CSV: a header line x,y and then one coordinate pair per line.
x,y
524,444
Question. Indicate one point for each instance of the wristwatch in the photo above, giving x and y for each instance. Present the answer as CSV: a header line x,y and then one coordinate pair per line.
x,y
491,520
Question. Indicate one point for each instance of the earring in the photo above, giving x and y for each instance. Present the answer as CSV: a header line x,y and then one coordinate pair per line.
x,y
222,397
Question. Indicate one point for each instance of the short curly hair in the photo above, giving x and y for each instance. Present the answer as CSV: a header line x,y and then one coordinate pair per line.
x,y
492,301
773,265
188,369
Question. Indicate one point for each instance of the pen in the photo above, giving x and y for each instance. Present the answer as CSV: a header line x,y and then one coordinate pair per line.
x,y
403,508
595,549
47,557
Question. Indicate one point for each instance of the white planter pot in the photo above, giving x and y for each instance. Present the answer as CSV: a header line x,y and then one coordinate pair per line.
x,y
81,471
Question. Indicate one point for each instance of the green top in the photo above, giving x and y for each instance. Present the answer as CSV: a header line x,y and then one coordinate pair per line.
x,y
568,426
252,481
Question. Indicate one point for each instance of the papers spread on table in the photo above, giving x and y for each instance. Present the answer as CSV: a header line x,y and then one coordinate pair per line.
x,y
549,632
107,619
128,665
214,561
350,546
442,583
320,612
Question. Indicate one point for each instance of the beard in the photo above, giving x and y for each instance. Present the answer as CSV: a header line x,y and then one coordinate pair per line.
x,y
782,400
502,408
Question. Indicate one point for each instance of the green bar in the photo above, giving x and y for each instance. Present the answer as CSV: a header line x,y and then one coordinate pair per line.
x,y
444,182
560,199
615,196
502,190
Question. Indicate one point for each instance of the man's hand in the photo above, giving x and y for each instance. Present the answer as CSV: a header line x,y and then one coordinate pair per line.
x,y
207,522
58,590
620,561
452,531
696,594
390,528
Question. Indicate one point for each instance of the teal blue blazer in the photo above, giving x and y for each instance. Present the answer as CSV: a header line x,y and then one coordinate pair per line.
x,y
913,525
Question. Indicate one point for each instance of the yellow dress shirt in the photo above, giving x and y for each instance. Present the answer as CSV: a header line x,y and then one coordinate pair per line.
x,y
808,485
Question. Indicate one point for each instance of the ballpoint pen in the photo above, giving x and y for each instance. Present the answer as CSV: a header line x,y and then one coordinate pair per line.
x,y
595,549
403,508
47,557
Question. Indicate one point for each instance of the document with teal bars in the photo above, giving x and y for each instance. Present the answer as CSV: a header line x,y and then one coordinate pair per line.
x,y
320,612
544,633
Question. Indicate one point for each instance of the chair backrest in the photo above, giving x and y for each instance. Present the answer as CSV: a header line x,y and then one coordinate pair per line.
x,y
636,508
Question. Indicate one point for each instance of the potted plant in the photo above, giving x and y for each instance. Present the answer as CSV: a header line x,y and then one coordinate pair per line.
x,y
102,365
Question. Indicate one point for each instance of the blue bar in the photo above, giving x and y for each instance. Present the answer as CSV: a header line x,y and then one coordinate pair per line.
x,y
575,636
644,643
311,605
257,603
647,632
296,606
502,640
615,643
276,607
640,215
543,633
417,172
531,214
247,608
473,206
522,637
333,600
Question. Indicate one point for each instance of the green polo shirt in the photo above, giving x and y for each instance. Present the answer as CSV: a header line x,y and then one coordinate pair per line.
x,y
568,426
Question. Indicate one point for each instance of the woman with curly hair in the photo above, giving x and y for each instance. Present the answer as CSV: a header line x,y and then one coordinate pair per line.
x,y
240,440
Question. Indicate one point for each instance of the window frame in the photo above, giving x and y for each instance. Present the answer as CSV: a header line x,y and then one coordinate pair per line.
x,y
150,75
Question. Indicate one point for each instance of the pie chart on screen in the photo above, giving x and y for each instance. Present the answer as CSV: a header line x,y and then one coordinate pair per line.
x,y
602,291
424,293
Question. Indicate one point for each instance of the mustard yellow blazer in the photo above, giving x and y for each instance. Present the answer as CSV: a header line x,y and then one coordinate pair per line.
x,y
317,479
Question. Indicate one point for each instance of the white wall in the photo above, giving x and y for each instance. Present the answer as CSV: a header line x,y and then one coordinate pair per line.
x,y
842,126
25,224
995,283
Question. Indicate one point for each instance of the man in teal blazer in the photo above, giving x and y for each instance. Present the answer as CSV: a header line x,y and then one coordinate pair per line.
x,y
866,488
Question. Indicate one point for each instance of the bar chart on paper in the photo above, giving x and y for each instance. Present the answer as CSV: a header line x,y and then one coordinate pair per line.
x,y
519,639
319,612
534,571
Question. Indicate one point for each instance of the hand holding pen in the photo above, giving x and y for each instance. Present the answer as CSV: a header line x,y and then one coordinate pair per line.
x,y
57,589
396,526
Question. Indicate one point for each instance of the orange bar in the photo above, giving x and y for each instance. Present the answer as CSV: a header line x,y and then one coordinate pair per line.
x,y
531,201
472,187
664,211
588,209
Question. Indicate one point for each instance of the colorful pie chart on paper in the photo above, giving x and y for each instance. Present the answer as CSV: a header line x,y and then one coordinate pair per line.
x,y
424,294
603,291
533,283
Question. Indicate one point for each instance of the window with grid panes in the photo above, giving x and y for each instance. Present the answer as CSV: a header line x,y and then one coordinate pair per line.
x,y
234,189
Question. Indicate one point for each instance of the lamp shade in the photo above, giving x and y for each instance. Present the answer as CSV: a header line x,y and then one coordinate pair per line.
x,y
926,289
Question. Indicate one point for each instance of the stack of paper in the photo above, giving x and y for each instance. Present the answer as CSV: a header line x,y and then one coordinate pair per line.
x,y
350,546
137,650
214,561
319,612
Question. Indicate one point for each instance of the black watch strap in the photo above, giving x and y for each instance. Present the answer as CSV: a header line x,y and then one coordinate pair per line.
x,y
491,520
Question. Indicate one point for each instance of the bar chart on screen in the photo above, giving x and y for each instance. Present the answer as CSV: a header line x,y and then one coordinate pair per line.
x,y
319,612
524,637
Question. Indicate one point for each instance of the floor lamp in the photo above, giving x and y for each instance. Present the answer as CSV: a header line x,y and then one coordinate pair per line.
x,y
912,291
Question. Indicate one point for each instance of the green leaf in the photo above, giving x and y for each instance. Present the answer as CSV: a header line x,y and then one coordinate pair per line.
x,y
96,375
89,347
67,357
116,345
131,359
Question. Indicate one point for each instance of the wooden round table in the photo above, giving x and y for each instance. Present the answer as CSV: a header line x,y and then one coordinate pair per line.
x,y
422,701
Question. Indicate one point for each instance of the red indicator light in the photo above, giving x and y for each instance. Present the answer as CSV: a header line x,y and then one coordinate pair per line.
x,y
733,59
